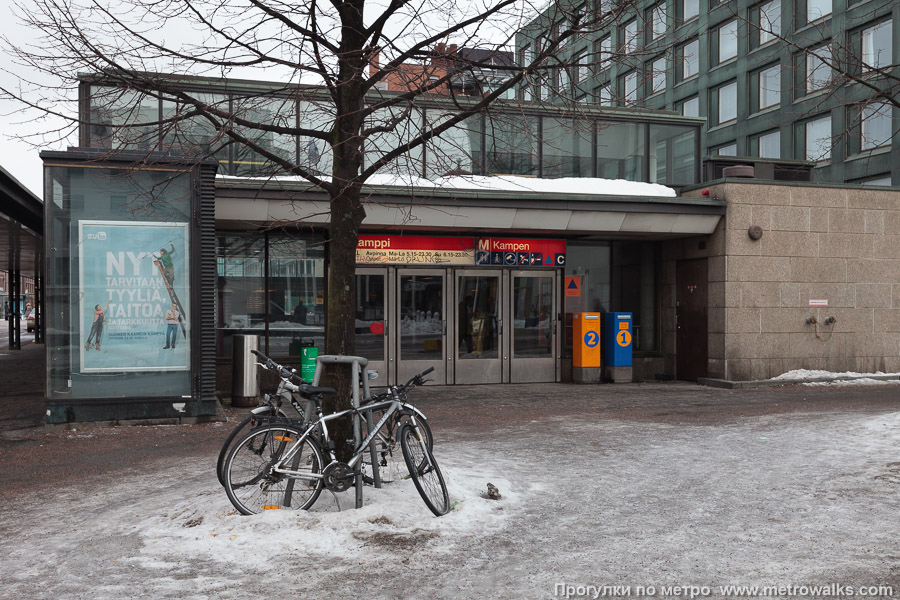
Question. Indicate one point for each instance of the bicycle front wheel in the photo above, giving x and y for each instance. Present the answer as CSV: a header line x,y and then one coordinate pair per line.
x,y
387,449
253,485
423,469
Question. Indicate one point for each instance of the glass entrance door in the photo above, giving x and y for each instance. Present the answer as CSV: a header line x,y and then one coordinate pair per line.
x,y
421,323
372,321
533,314
478,327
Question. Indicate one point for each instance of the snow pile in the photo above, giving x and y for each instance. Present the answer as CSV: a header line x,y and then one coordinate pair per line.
x,y
816,374
860,381
392,519
505,183
565,185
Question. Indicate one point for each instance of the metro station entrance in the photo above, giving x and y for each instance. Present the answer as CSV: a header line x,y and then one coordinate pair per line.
x,y
472,325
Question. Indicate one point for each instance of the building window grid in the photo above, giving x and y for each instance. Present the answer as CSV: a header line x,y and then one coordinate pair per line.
x,y
875,125
770,87
629,37
726,101
690,9
817,139
727,45
877,46
817,9
819,73
769,22
769,145
658,75
690,59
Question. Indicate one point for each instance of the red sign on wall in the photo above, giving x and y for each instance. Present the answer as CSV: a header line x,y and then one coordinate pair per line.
x,y
415,250
520,253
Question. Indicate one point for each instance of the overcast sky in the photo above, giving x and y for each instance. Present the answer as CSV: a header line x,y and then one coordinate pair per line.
x,y
21,157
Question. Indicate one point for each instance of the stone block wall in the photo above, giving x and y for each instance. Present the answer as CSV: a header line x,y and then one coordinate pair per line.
x,y
840,244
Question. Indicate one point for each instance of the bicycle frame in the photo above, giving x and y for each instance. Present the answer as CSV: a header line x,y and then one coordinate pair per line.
x,y
393,406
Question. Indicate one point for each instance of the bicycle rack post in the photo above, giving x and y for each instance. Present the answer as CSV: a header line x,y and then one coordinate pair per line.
x,y
357,364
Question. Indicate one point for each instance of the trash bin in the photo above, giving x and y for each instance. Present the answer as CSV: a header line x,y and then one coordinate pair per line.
x,y
308,354
244,384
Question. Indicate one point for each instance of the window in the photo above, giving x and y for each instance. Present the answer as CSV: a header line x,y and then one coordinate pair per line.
x,y
817,139
604,96
726,150
769,21
770,87
629,37
603,49
690,59
564,86
818,68
630,85
689,9
581,66
876,46
727,102
817,9
728,41
875,125
605,6
769,145
658,75
656,20
691,107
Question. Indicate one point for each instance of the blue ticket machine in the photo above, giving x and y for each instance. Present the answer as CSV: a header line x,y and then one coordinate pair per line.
x,y
617,344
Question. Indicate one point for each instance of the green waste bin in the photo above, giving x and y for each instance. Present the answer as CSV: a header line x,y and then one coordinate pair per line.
x,y
308,354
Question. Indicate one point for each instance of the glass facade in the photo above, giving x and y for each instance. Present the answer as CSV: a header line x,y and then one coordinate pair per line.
x,y
118,283
502,142
271,285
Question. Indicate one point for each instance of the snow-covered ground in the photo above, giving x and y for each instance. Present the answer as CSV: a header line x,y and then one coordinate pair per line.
x,y
771,500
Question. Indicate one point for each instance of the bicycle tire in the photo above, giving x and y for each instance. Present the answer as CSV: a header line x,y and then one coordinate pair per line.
x,y
239,429
390,467
424,470
250,485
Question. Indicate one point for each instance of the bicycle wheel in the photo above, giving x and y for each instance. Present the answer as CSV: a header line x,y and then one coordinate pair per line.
x,y
424,470
387,451
251,484
251,420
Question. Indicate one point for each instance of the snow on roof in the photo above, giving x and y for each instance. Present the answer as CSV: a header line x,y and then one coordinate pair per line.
x,y
507,183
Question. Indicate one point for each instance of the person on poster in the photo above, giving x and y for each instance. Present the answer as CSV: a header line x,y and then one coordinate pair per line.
x,y
97,327
171,327
165,260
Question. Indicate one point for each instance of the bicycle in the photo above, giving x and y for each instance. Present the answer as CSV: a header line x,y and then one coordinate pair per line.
x,y
282,465
270,410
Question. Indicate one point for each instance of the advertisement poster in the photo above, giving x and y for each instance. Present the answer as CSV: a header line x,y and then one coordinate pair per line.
x,y
133,285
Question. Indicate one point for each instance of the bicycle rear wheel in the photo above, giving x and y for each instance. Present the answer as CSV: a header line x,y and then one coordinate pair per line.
x,y
249,421
250,482
424,470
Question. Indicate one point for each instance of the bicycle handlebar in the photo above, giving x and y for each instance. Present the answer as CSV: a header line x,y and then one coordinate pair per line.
x,y
283,372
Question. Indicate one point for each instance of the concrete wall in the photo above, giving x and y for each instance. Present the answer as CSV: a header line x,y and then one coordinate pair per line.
x,y
836,243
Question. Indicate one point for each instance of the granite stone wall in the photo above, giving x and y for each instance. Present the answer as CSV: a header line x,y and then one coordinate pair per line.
x,y
840,244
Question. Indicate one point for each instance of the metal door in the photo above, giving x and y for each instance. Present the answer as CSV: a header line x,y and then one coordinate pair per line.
x,y
691,339
420,323
533,326
373,322
477,326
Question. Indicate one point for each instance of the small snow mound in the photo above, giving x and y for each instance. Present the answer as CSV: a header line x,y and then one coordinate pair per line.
x,y
849,382
817,374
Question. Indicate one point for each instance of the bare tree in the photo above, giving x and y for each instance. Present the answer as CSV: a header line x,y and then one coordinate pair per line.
x,y
334,60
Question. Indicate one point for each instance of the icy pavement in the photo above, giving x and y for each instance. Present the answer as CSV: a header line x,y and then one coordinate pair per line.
x,y
770,500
